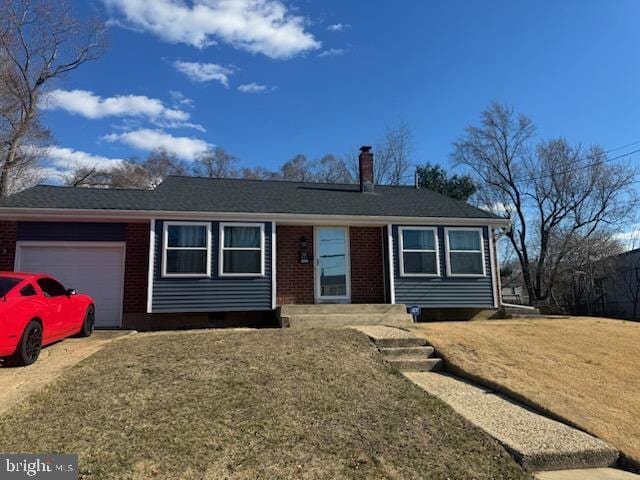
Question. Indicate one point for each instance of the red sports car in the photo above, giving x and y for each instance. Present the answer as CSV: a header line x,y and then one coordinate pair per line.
x,y
36,310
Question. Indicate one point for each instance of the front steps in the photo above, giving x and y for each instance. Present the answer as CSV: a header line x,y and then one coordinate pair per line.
x,y
516,312
339,315
402,350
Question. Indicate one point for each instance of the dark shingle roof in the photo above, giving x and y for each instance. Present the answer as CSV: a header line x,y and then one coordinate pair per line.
x,y
187,194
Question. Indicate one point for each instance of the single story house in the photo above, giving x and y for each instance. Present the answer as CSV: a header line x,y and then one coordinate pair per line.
x,y
196,249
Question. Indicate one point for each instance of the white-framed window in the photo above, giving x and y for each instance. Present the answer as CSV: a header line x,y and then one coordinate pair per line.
x,y
241,250
465,252
186,249
419,252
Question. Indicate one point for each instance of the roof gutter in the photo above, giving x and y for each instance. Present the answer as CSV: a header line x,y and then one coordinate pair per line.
x,y
49,214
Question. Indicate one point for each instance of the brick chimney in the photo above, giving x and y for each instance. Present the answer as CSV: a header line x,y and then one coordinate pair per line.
x,y
365,161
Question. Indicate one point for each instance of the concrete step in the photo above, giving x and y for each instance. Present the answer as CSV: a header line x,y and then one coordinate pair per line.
x,y
406,352
385,337
518,311
323,309
344,320
413,365
400,342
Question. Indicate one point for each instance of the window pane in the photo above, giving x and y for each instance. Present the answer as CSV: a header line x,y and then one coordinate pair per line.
x,y
464,240
187,236
241,261
28,291
51,288
242,237
333,285
420,262
187,261
418,240
469,263
6,284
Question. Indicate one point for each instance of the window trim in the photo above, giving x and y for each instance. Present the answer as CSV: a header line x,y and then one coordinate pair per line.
x,y
480,232
402,250
222,248
166,248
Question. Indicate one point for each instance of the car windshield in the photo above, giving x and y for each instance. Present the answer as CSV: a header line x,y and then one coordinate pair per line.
x,y
7,283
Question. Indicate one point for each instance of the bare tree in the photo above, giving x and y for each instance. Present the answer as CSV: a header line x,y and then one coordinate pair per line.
x,y
393,156
327,169
553,192
298,169
216,164
160,164
330,169
131,173
577,283
40,40
258,173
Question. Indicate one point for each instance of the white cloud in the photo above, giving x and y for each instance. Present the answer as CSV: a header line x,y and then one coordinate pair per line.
x,y
179,99
90,105
257,26
253,88
338,27
67,159
186,148
629,239
204,72
332,52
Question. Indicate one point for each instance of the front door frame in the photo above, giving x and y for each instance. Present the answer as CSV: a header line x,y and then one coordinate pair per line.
x,y
316,262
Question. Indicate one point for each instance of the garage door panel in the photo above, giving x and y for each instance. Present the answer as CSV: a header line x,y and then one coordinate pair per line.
x,y
95,270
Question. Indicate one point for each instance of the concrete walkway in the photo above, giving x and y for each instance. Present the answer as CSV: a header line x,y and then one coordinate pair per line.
x,y
17,383
536,442
587,474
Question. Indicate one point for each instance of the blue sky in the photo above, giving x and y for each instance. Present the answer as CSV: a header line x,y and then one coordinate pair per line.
x,y
336,72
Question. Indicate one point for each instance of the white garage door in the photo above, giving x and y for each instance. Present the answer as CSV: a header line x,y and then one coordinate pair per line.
x,y
95,270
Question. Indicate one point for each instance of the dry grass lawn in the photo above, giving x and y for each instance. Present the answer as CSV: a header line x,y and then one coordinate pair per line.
x,y
583,370
250,405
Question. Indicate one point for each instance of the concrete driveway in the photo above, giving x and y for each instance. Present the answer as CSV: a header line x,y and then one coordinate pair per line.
x,y
20,382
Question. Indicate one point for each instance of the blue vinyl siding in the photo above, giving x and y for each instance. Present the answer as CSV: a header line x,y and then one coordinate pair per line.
x,y
443,291
215,293
71,231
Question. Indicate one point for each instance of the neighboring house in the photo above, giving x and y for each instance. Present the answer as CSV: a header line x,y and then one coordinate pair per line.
x,y
617,294
514,291
208,247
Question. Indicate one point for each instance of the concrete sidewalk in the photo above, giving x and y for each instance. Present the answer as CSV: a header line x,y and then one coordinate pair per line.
x,y
536,442
587,474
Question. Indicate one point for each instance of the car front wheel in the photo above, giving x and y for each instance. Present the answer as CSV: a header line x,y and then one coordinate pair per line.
x,y
30,345
89,322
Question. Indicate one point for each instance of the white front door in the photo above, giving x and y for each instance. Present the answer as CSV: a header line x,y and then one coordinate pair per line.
x,y
332,264
92,268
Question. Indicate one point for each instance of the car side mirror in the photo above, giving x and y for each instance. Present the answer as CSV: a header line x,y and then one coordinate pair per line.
x,y
71,291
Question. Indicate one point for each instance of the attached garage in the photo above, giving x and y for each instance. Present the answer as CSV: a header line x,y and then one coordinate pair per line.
x,y
94,268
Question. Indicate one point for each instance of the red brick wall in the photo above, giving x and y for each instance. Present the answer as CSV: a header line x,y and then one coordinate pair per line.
x,y
294,279
136,268
8,232
367,264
